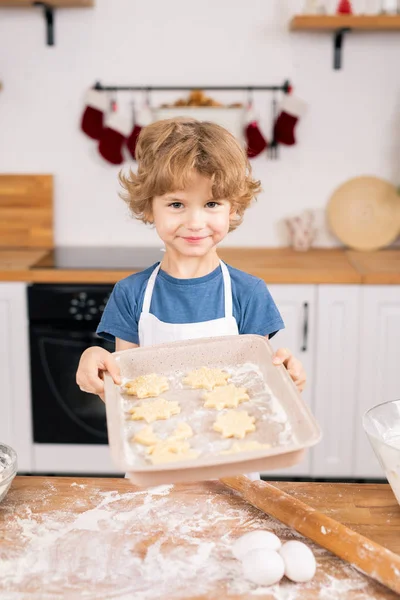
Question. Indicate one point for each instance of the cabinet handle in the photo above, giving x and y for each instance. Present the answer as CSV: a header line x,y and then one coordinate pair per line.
x,y
305,327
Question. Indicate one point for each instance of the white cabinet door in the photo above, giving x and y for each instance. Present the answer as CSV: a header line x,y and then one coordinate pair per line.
x,y
15,404
297,305
336,380
379,379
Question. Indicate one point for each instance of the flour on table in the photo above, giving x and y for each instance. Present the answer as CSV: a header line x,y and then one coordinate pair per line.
x,y
125,545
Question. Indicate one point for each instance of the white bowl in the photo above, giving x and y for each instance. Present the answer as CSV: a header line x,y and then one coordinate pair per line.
x,y
8,468
382,426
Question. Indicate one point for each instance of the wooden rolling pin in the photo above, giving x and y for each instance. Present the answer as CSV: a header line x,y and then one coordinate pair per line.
x,y
374,560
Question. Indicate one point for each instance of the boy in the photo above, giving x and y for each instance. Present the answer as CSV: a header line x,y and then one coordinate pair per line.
x,y
193,184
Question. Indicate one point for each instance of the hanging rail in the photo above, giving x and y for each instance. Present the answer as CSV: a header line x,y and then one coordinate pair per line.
x,y
285,87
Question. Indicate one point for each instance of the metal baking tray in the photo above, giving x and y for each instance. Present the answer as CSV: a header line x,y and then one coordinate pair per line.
x,y
284,422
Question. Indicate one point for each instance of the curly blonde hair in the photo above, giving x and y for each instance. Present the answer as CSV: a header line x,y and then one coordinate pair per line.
x,y
167,153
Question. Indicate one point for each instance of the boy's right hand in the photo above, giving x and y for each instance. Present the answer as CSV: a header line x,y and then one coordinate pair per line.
x,y
89,376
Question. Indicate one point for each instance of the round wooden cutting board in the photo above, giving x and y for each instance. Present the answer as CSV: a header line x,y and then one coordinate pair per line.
x,y
364,213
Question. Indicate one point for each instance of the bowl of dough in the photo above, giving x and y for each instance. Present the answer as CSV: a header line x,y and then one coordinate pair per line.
x,y
382,426
8,468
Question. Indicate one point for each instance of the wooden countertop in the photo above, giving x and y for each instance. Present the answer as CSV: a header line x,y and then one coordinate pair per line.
x,y
102,538
274,265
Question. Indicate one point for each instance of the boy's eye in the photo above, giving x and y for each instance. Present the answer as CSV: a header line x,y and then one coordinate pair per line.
x,y
176,204
212,204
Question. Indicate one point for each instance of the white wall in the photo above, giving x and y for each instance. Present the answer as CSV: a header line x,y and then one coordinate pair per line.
x,y
352,126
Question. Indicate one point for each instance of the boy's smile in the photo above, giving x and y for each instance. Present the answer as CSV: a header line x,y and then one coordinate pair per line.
x,y
191,221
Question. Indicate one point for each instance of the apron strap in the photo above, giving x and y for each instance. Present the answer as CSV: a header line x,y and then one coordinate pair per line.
x,y
227,290
149,290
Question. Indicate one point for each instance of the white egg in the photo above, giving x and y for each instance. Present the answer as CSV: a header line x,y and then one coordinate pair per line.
x,y
264,567
299,561
253,541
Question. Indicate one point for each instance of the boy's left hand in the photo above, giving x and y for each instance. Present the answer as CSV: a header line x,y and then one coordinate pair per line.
x,y
293,365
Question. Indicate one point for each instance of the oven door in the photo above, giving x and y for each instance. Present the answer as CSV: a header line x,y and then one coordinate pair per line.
x,y
62,413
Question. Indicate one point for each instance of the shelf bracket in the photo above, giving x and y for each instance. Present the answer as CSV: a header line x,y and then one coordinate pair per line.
x,y
337,46
48,12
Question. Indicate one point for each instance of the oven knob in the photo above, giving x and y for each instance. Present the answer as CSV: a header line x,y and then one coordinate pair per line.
x,y
93,311
82,296
74,301
88,317
73,310
78,317
91,302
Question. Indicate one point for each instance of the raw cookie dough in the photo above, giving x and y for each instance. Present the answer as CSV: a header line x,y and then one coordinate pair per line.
x,y
183,431
206,378
245,447
234,423
147,386
146,437
228,396
154,411
171,451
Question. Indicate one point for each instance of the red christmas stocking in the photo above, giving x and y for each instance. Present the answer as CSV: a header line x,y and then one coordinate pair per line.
x,y
292,109
92,122
145,117
114,135
255,141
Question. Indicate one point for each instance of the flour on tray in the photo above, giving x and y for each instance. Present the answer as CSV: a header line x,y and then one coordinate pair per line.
x,y
273,425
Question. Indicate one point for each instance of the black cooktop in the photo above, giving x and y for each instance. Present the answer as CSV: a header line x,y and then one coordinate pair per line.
x,y
100,258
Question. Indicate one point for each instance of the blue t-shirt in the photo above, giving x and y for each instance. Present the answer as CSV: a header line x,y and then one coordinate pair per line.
x,y
189,301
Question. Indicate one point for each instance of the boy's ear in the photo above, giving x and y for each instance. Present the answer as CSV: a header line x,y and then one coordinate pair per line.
x,y
233,214
148,215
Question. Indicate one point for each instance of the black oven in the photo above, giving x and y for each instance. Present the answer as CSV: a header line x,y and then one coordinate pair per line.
x,y
63,321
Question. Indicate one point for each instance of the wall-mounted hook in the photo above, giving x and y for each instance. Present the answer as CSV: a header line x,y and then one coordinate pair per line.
x,y
337,46
48,12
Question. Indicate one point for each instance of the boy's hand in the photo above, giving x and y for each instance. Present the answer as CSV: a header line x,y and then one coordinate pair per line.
x,y
293,365
93,362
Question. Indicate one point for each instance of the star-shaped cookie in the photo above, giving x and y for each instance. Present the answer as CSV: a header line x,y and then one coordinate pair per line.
x,y
171,451
146,437
147,386
183,431
228,396
155,411
206,378
234,423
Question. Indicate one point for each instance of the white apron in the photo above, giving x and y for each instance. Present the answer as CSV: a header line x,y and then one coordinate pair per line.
x,y
153,331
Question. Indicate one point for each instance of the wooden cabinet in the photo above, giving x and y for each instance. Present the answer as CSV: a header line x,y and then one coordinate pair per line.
x,y
336,379
15,405
297,305
379,364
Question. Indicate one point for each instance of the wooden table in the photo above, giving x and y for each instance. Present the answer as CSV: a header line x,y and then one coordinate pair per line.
x,y
103,538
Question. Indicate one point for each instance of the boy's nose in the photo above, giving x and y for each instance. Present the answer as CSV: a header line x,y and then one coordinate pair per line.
x,y
195,222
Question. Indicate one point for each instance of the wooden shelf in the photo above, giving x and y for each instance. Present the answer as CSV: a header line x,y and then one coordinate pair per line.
x,y
48,7
332,22
341,24
54,3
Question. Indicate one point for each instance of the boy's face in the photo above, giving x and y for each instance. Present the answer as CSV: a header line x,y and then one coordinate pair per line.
x,y
190,221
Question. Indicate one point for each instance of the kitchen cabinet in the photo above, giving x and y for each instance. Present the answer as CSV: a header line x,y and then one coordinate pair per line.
x,y
336,378
378,375
15,405
297,305
346,336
